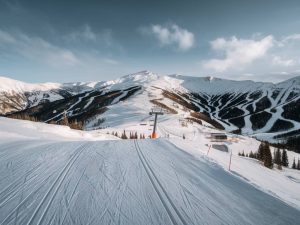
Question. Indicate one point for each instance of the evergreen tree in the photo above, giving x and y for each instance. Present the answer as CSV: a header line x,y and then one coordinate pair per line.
x,y
284,158
260,152
268,161
279,163
277,157
239,154
247,155
243,154
294,164
298,166
124,136
251,155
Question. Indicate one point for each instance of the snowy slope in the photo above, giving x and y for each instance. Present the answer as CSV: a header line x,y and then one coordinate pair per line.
x,y
10,85
16,95
122,182
12,130
268,111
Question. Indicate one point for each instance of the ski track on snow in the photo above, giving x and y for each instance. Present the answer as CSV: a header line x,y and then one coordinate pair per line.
x,y
125,182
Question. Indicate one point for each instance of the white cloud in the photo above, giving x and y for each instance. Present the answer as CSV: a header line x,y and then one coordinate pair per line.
x,y
36,48
277,60
110,61
293,37
85,33
6,37
173,35
286,40
238,52
88,35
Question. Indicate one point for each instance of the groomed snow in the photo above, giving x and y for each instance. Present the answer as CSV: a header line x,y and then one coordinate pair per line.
x,y
47,178
12,130
125,182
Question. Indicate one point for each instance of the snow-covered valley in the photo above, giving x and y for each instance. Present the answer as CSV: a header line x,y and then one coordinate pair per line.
x,y
51,181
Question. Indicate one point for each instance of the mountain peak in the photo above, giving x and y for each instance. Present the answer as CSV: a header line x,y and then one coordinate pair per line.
x,y
11,85
143,72
139,77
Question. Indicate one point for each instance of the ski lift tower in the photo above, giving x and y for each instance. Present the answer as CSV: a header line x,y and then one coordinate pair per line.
x,y
155,112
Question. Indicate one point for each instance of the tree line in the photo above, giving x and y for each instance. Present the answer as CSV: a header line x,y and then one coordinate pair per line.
x,y
132,135
279,158
296,165
73,124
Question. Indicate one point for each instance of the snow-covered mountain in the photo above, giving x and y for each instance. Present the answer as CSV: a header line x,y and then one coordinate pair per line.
x,y
54,174
16,95
267,110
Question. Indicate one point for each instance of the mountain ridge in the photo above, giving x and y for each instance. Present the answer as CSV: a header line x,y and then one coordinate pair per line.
x,y
4,79
267,110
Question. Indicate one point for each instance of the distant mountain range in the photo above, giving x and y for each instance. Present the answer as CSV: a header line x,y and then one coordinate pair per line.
x,y
268,111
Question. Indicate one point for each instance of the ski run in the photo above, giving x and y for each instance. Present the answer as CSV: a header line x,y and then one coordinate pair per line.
x,y
54,175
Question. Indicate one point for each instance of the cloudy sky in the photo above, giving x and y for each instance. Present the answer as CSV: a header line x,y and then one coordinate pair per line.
x,y
75,40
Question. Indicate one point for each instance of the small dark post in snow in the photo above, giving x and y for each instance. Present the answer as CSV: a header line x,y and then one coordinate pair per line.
x,y
208,149
230,160
155,112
